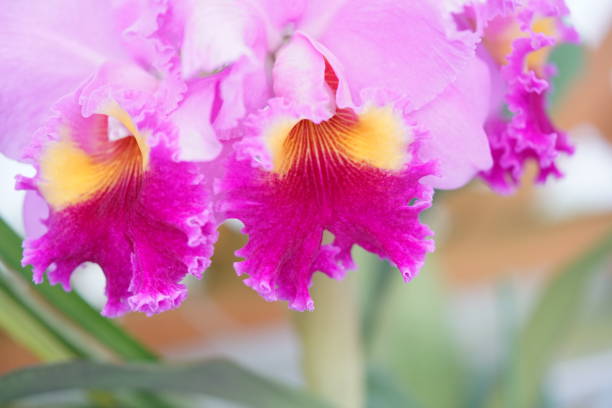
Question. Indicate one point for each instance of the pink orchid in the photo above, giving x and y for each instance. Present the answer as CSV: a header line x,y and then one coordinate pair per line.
x,y
518,36
358,110
333,119
90,101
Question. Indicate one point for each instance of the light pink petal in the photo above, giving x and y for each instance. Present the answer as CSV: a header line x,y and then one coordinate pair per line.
x,y
278,14
47,49
400,46
140,22
454,120
35,210
335,76
217,33
243,87
197,138
299,78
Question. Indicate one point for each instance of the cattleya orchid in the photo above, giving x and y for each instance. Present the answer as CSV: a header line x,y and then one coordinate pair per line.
x,y
341,148
518,37
107,158
318,124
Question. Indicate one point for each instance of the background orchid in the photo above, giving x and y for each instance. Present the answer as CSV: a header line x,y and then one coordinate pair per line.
x,y
517,39
344,137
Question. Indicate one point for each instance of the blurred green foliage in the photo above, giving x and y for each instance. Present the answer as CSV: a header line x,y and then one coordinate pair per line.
x,y
216,378
417,360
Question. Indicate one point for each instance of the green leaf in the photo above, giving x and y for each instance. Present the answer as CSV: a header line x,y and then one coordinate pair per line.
x,y
52,325
214,378
51,338
72,305
377,282
548,325
26,328
60,405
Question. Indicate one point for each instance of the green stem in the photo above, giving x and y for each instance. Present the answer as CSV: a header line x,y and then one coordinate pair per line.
x,y
377,293
332,357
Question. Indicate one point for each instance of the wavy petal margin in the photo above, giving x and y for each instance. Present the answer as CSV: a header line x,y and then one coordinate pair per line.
x,y
518,36
291,180
118,196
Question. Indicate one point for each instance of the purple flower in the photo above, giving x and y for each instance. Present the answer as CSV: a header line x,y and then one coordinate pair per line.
x,y
92,98
517,39
357,110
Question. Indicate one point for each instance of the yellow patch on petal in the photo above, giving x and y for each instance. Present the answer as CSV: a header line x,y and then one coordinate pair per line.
x,y
71,174
376,137
380,139
498,41
537,59
275,137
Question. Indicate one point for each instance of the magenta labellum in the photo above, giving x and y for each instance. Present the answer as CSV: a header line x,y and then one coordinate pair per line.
x,y
119,197
355,176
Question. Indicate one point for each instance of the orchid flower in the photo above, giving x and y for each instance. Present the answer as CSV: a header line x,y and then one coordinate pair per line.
x,y
358,110
90,101
517,37
323,124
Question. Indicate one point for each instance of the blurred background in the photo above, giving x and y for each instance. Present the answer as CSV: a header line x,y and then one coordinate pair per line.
x,y
454,330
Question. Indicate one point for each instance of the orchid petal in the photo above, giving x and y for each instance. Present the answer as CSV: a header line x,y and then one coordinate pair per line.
x,y
46,52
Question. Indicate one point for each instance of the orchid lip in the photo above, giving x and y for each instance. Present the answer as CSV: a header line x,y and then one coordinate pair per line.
x,y
307,192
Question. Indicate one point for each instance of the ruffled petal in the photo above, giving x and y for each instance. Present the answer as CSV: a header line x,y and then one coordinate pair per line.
x,y
150,30
242,88
530,135
355,175
46,52
118,197
518,37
